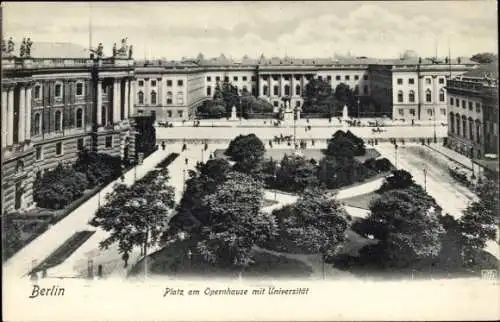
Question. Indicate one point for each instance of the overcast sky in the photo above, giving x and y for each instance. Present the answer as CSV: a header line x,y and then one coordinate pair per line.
x,y
300,29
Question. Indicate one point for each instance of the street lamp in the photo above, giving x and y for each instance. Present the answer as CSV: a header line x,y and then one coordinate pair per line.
x,y
472,162
396,155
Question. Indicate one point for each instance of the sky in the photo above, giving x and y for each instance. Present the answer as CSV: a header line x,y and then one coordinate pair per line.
x,y
172,30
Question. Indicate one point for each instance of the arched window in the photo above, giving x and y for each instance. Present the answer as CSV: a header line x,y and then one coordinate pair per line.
x,y
58,121
140,96
276,90
441,95
452,123
464,126
400,96
478,131
37,126
471,129
19,166
297,90
428,96
411,96
287,90
457,120
265,90
153,98
169,97
79,118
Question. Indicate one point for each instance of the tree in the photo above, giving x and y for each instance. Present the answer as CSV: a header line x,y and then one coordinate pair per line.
x,y
11,237
339,171
295,174
136,215
316,223
345,144
484,58
190,214
247,151
400,179
227,95
406,223
234,223
318,97
58,187
345,96
481,218
98,167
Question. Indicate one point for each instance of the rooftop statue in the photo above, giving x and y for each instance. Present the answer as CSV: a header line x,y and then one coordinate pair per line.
x,y
22,48
10,46
99,52
27,52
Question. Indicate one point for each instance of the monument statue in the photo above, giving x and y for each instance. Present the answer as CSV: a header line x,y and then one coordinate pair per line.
x,y
130,52
28,48
22,48
10,46
114,50
233,113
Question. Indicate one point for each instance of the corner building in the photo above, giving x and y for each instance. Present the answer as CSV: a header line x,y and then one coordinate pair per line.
x,y
54,108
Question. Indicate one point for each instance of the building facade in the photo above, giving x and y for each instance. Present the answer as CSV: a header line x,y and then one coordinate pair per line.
x,y
473,112
52,109
409,89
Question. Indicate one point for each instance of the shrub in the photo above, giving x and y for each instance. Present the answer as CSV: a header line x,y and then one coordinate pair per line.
x,y
98,167
400,179
339,172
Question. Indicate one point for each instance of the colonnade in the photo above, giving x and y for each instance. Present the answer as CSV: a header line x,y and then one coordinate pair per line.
x,y
10,121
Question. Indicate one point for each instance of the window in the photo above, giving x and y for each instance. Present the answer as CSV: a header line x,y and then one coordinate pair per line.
x,y
297,90
140,111
58,121
169,97
401,112
244,78
38,153
441,95
180,113
452,123
140,95
79,118
478,107
59,150
209,91
464,127
411,97
400,81
452,101
441,80
411,81
443,111
217,79
104,115
287,90
180,82
320,77
226,79
365,77
275,78
464,104
169,82
400,96
169,113
58,91
209,79
153,83
80,143
79,89
412,111
347,77
337,77
471,106
153,97
428,81
38,92
297,103
275,103
253,78
235,78
265,90
428,96
109,141
356,77
140,83
180,98
275,90
37,126
429,111
365,89
328,78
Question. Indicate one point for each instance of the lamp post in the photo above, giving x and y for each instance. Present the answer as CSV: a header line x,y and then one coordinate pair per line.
x,y
425,179
183,180
396,155
472,162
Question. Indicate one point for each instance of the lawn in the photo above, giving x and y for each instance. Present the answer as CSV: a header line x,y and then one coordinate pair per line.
x,y
361,201
173,260
317,154
64,251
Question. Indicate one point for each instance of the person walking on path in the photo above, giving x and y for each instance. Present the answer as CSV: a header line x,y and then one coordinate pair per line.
x,y
186,160
125,257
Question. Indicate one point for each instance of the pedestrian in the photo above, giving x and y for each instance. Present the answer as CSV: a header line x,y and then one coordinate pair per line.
x,y
206,146
163,145
211,156
99,271
312,142
184,147
125,260
186,160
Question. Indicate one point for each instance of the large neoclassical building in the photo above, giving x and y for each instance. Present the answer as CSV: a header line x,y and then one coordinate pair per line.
x,y
54,107
410,89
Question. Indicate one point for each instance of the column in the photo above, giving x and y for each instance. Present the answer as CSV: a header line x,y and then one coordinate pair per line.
x,y
435,97
270,92
4,118
292,86
28,112
99,103
22,114
126,96
10,117
116,100
131,102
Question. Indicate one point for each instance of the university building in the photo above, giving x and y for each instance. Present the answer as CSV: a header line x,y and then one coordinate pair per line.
x,y
409,89
473,112
54,107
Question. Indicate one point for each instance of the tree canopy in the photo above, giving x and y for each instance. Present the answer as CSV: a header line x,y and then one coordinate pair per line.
x,y
484,58
345,144
227,95
295,173
318,97
247,151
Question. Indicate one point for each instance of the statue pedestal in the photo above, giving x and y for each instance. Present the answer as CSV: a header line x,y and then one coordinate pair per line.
x,y
288,117
234,116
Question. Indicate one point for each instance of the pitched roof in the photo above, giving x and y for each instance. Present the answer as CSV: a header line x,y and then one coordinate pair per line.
x,y
58,50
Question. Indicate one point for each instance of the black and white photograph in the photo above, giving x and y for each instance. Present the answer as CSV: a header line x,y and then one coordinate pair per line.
x,y
233,160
